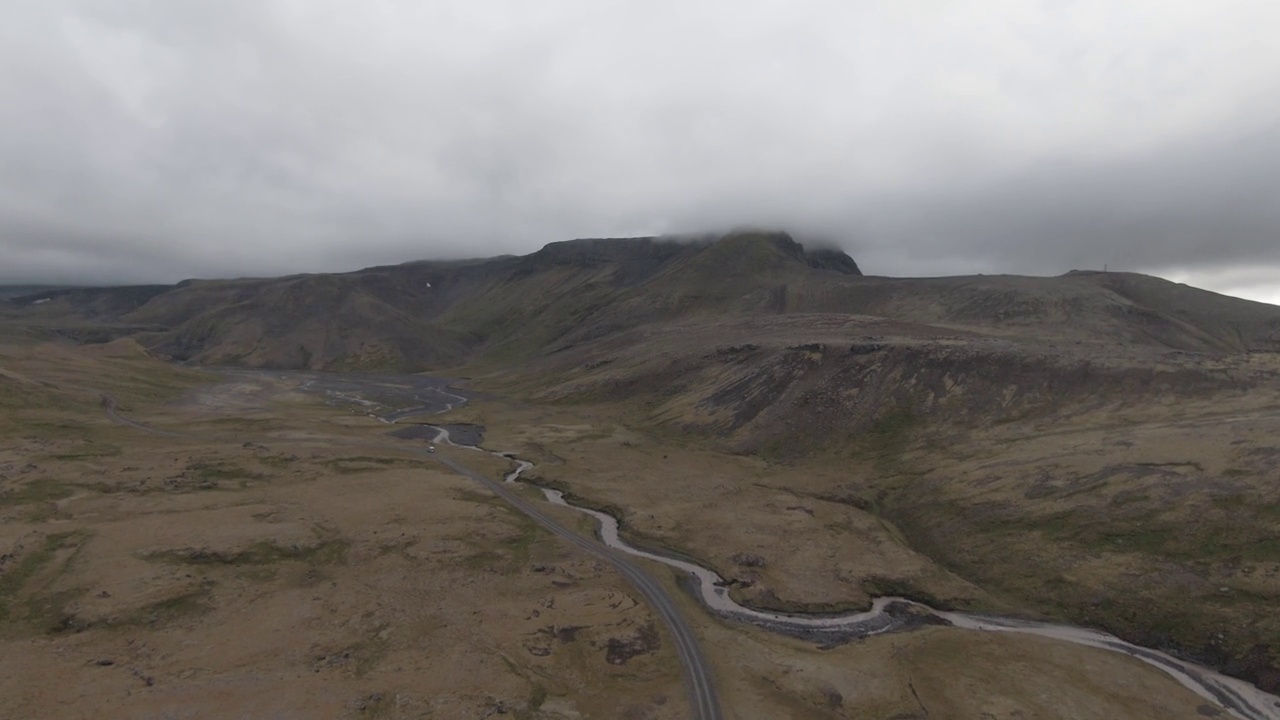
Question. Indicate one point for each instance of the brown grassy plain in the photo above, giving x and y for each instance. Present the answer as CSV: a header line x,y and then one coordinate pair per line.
x,y
281,557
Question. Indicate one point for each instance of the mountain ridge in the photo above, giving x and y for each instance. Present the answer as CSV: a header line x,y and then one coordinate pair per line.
x,y
436,314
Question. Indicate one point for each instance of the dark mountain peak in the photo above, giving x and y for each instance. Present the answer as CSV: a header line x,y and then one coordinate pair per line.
x,y
593,251
763,246
832,259
632,259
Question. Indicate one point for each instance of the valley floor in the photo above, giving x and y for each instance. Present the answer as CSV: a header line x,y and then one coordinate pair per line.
x,y
283,555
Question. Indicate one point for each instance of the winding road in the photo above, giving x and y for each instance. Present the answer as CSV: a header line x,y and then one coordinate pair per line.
x,y
112,408
698,679
887,614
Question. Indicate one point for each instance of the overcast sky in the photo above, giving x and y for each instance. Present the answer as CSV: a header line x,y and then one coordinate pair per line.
x,y
154,140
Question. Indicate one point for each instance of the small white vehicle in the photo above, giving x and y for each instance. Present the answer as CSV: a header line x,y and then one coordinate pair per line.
x,y
431,448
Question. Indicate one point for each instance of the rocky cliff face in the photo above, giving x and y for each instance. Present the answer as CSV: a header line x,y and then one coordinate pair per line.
x,y
832,259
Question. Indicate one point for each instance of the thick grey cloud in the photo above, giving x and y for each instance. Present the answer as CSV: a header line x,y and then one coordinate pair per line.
x,y
162,139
